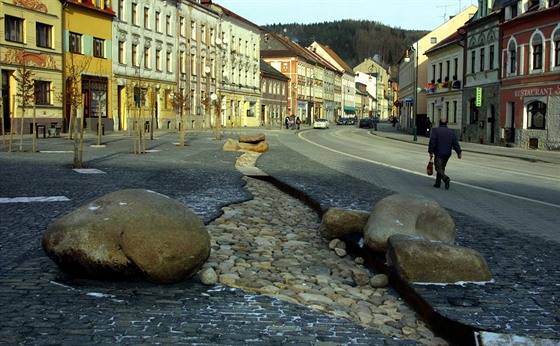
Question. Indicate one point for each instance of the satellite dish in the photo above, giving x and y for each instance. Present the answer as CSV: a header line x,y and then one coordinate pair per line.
x,y
207,70
218,41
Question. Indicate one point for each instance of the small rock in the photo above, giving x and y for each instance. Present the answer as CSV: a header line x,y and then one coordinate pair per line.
x,y
379,281
340,252
208,276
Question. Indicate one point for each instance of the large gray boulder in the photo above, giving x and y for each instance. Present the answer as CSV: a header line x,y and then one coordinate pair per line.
x,y
409,215
423,261
129,235
337,222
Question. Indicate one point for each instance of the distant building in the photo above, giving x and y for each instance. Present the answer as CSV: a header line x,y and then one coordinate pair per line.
x,y
274,96
530,73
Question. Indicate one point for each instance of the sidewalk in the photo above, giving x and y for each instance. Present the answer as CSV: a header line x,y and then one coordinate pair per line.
x,y
490,149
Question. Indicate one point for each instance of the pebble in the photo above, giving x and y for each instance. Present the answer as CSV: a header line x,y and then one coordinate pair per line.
x,y
271,245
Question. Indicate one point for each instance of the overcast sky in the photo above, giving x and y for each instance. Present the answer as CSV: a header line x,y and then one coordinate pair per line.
x,y
406,14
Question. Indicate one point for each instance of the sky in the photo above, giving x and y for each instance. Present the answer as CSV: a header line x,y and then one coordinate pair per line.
x,y
404,14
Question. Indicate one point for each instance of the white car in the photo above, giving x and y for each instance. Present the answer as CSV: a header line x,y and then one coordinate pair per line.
x,y
321,124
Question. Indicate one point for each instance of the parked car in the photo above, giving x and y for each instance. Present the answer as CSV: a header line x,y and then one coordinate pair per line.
x,y
366,123
321,124
351,121
342,121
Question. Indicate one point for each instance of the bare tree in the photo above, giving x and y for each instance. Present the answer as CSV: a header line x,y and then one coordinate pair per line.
x,y
73,96
25,94
182,104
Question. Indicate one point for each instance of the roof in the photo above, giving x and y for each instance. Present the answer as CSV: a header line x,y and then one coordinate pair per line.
x,y
446,42
270,72
335,56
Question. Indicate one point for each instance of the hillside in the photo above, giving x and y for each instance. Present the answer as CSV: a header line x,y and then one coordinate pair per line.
x,y
353,40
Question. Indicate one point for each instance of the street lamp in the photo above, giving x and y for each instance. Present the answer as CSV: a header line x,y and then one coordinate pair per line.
x,y
407,59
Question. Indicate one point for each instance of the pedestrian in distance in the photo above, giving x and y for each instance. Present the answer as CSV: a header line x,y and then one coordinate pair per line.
x,y
442,141
287,122
298,122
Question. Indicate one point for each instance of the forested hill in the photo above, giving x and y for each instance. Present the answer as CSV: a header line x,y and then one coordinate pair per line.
x,y
353,40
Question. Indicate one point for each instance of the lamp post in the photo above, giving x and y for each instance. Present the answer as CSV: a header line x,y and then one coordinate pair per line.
x,y
415,100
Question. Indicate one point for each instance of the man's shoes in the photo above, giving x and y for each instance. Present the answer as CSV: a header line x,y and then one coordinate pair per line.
x,y
447,181
437,185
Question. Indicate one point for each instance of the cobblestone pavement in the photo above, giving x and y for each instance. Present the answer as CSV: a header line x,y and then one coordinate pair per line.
x,y
41,305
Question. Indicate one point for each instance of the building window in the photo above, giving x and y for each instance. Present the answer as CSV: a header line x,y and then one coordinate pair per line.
x,y
473,116
147,57
44,35
122,12
42,92
447,69
98,48
482,59
433,40
121,53
182,30
193,64
168,25
473,60
146,18
193,30
182,66
537,115
491,57
169,62
158,21
512,49
556,48
537,46
454,112
158,59
13,29
75,43
135,61
456,66
203,33
134,14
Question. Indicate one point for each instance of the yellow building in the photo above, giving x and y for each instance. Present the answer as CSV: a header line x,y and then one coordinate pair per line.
x,y
30,44
87,45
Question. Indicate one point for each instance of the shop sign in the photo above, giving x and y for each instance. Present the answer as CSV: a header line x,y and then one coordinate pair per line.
x,y
478,101
529,92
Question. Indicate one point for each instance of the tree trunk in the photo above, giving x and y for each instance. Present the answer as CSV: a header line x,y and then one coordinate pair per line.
x,y
21,129
12,122
34,132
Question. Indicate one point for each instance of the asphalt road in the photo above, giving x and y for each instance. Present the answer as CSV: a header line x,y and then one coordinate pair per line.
x,y
515,193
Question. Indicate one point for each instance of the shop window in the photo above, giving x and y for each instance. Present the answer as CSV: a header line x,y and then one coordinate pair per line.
x,y
537,115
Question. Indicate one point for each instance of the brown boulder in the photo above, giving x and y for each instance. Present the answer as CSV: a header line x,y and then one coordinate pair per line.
x,y
338,222
251,138
409,215
421,260
129,235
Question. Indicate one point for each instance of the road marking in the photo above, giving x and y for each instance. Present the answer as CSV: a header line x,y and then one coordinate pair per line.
x,y
34,199
88,171
423,174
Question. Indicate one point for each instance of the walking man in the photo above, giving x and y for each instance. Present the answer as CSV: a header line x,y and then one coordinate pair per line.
x,y
442,141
